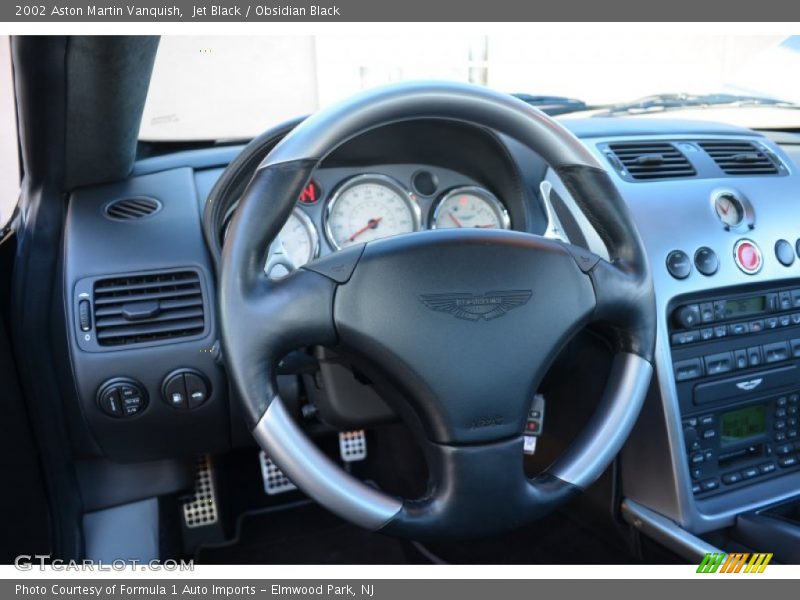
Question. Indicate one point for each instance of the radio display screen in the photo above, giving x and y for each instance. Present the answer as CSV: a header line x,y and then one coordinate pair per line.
x,y
744,423
745,306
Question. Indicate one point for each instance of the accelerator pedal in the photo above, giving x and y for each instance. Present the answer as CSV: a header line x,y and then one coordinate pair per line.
x,y
353,445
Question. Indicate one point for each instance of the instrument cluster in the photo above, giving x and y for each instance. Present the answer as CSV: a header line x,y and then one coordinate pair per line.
x,y
370,205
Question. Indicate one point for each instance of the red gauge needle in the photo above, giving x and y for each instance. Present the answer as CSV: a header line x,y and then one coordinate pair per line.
x,y
454,219
371,224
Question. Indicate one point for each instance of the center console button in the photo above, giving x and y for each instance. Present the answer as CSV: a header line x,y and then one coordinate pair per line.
x,y
747,256
785,300
688,316
688,369
784,253
766,467
706,312
788,461
738,328
717,364
754,356
710,484
740,359
776,352
678,264
751,472
685,337
706,261
731,478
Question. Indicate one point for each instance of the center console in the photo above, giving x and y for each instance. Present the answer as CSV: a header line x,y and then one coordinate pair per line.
x,y
736,362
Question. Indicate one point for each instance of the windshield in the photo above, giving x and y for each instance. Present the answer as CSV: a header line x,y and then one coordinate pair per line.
x,y
219,88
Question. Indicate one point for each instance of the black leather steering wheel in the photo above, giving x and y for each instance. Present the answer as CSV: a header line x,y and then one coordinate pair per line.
x,y
462,323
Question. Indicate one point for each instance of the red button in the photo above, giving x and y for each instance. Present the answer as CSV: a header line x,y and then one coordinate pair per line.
x,y
533,425
748,256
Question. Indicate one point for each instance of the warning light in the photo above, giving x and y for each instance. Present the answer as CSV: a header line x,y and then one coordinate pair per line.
x,y
311,193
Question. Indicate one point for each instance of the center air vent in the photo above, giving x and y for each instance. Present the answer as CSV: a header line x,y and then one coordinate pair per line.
x,y
740,157
144,308
129,209
649,160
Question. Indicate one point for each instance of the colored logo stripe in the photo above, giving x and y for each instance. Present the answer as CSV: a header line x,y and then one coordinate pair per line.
x,y
736,562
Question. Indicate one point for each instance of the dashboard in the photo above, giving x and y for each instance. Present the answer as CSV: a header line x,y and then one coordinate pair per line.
x,y
715,205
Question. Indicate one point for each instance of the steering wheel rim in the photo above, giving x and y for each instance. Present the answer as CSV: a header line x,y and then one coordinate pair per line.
x,y
476,460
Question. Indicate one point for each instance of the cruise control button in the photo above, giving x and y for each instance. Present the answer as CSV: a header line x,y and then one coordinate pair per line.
x,y
747,256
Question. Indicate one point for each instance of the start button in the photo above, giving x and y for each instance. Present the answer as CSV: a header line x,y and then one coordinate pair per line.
x,y
747,256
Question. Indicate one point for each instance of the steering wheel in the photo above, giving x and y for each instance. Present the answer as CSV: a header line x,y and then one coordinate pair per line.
x,y
462,323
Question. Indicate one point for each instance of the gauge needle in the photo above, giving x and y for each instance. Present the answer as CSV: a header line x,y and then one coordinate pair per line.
x,y
485,226
724,209
371,224
454,219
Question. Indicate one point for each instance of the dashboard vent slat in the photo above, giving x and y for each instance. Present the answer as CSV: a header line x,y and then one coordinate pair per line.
x,y
739,157
128,209
143,308
649,160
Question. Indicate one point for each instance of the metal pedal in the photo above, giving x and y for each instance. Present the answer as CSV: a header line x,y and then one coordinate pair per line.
x,y
353,445
275,482
201,508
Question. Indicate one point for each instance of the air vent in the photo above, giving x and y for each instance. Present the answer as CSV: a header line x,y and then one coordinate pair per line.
x,y
649,160
144,308
129,209
740,157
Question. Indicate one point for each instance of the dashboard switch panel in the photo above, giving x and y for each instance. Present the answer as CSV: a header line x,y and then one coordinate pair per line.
x,y
185,389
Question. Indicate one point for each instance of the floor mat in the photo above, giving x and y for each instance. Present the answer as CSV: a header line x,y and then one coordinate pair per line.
x,y
306,534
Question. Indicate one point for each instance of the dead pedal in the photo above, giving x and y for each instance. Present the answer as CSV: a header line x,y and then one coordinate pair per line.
x,y
200,509
353,445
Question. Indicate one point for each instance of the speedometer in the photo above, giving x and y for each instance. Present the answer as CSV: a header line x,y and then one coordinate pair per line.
x,y
470,206
369,207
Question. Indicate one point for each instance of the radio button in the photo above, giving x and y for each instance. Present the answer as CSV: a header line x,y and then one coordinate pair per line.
x,y
708,455
766,467
780,425
780,413
696,458
707,420
771,322
792,434
781,401
795,318
795,344
788,461
696,489
688,369
706,312
710,484
784,320
709,434
776,352
720,331
731,478
756,326
751,472
719,310
706,333
784,449
717,364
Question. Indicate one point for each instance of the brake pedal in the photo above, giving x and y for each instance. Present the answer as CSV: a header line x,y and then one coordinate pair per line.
x,y
275,482
201,508
353,445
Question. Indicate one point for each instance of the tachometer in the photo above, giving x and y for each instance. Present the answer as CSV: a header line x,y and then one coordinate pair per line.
x,y
469,206
296,244
369,207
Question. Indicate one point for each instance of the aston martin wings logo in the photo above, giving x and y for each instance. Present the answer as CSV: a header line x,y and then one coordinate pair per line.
x,y
750,384
471,307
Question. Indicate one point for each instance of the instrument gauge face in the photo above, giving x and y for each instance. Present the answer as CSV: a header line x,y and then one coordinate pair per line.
x,y
370,207
470,207
296,244
729,209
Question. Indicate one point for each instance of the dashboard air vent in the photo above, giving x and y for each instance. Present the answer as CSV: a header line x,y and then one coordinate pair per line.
x,y
144,308
740,157
649,160
128,209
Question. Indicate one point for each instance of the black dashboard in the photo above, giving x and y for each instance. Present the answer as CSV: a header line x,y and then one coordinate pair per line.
x,y
140,299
